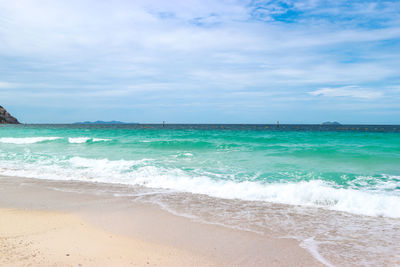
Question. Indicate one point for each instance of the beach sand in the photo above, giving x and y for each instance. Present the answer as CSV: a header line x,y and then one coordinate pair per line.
x,y
46,223
42,238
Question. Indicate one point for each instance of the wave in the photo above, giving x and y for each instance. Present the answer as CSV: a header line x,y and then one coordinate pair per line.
x,y
33,140
26,140
81,140
316,193
100,139
78,140
100,165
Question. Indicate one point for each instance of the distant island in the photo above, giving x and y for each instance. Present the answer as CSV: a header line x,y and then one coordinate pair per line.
x,y
104,122
331,123
6,118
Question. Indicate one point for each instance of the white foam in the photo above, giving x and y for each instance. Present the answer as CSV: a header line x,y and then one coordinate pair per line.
x,y
315,193
311,193
26,140
97,166
81,140
312,246
78,140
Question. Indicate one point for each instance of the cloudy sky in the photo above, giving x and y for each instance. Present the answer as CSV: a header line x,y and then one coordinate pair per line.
x,y
201,61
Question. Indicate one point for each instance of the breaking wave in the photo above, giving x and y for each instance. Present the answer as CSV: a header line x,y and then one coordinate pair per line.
x,y
26,140
81,140
33,140
142,172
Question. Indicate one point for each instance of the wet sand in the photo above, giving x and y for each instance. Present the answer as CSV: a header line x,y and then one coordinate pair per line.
x,y
44,223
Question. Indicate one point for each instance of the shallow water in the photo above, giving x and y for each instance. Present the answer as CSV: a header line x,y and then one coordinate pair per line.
x,y
334,188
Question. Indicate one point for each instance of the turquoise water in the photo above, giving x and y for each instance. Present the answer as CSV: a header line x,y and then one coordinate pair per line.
x,y
351,171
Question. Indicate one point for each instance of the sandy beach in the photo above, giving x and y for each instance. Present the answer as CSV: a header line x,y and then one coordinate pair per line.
x,y
44,223
43,238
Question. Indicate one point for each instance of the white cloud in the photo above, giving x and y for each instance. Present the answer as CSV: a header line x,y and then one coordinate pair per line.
x,y
7,85
347,91
130,50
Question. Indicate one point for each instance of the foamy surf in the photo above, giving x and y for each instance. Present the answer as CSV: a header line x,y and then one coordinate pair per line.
x,y
33,140
315,193
78,140
26,140
81,140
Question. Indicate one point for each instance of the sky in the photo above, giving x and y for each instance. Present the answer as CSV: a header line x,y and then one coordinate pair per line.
x,y
201,61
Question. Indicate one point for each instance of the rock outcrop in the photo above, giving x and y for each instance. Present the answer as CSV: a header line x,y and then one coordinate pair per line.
x,y
6,117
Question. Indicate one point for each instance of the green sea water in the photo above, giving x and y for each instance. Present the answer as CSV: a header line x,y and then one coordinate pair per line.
x,y
342,170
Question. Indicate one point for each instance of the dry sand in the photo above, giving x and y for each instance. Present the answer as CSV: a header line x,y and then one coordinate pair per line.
x,y
43,238
42,224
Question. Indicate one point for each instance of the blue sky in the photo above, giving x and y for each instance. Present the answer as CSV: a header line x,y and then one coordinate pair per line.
x,y
305,61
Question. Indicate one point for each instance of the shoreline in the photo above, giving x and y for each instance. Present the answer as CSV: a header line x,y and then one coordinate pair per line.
x,y
166,239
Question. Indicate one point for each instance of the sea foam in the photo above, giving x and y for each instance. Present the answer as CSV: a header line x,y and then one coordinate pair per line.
x,y
81,140
26,140
32,140
78,140
316,193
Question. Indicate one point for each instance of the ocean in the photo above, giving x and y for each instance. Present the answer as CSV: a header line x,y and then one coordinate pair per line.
x,y
336,189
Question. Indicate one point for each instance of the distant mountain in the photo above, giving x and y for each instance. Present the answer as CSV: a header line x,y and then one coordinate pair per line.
x,y
331,123
6,118
103,122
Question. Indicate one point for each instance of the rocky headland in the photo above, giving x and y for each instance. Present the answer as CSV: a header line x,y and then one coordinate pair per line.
x,y
6,118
